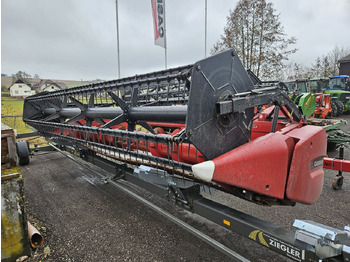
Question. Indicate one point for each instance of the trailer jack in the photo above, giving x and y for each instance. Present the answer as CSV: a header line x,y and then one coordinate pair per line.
x,y
339,164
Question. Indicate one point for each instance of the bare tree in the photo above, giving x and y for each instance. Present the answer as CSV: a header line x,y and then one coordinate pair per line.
x,y
289,72
317,67
334,56
20,75
256,33
299,71
328,65
295,71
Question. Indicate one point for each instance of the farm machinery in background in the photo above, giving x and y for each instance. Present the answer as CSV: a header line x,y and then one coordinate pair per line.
x,y
339,90
332,94
320,107
324,106
201,124
338,87
339,83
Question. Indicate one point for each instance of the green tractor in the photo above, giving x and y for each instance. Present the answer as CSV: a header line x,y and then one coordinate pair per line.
x,y
318,85
339,90
312,102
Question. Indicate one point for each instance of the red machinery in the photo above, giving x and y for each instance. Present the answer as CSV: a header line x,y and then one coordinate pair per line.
x,y
196,122
323,106
177,132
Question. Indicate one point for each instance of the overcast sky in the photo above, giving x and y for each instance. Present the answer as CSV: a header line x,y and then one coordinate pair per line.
x,y
76,39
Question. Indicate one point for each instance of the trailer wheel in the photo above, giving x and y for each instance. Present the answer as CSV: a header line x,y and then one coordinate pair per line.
x,y
337,182
340,107
334,109
23,152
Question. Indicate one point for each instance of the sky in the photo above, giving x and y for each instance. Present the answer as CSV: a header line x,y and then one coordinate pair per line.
x,y
77,39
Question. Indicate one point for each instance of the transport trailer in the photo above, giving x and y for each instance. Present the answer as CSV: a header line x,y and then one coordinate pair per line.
x,y
175,130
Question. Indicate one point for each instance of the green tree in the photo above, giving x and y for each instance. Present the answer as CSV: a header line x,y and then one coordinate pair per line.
x,y
253,29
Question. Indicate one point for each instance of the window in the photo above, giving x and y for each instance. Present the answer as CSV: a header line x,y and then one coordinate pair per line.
x,y
16,92
19,85
302,87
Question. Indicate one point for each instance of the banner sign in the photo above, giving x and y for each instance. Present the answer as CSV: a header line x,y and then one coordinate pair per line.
x,y
158,10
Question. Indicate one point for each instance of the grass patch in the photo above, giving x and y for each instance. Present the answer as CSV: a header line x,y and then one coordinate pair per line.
x,y
13,106
76,85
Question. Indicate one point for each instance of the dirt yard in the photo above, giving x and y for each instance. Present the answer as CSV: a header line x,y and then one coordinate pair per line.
x,y
84,219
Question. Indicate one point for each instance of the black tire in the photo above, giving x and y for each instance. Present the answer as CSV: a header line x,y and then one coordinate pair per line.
x,y
23,152
340,107
334,109
337,182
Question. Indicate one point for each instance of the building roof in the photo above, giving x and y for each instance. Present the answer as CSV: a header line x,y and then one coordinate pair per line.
x,y
50,82
62,85
21,81
345,59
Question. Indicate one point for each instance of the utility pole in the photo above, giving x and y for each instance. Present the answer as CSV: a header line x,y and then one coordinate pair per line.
x,y
206,20
118,52
165,42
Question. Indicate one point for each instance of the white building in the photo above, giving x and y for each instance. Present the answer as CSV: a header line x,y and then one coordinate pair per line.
x,y
21,88
50,86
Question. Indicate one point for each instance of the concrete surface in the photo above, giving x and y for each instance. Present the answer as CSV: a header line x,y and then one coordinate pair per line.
x,y
84,219
87,220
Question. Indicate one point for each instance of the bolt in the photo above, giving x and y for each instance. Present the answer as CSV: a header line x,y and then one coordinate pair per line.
x,y
198,67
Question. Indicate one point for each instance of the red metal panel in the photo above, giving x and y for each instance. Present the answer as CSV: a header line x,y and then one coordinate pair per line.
x,y
260,166
305,180
261,128
336,164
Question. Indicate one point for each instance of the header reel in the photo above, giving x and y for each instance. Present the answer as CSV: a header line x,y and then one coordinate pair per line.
x,y
171,119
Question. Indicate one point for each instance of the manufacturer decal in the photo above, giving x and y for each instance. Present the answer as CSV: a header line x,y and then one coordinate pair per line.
x,y
289,250
278,245
259,234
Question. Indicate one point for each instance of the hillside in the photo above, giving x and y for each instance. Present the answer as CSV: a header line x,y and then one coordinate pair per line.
x,y
7,81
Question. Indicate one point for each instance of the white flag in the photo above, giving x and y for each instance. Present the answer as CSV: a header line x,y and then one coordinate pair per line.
x,y
158,10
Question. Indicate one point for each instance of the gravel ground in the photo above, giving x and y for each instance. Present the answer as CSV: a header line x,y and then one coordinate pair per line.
x,y
84,219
